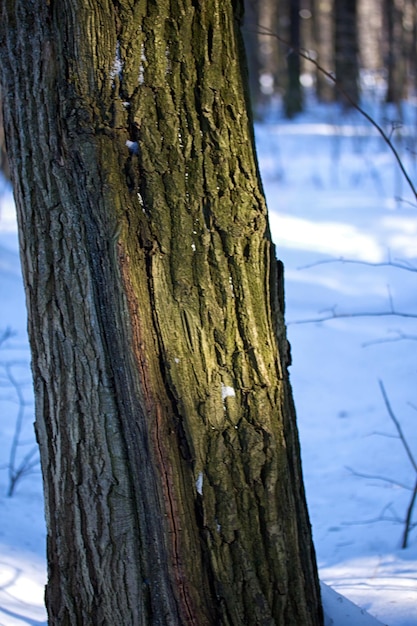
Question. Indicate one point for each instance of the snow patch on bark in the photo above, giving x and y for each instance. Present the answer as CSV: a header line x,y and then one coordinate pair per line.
x,y
199,484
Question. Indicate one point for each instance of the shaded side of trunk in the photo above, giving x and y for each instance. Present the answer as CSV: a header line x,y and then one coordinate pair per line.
x,y
164,415
4,163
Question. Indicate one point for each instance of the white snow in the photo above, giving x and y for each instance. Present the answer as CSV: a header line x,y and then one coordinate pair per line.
x,y
117,68
199,483
227,392
141,77
133,146
332,189
348,614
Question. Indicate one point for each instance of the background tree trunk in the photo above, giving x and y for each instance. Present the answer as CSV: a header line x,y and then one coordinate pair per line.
x,y
394,52
252,48
346,49
323,33
164,415
272,65
293,97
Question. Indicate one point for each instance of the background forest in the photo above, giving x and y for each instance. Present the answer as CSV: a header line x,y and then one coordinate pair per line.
x,y
344,221
364,44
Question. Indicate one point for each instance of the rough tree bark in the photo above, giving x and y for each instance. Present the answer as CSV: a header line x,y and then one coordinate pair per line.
x,y
164,416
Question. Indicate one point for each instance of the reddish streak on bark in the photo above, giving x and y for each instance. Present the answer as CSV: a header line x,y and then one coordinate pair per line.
x,y
173,517
155,411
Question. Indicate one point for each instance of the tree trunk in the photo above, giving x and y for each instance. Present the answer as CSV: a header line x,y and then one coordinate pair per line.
x,y
164,416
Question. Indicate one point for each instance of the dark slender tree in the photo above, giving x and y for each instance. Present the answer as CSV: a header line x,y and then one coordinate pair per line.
x,y
164,415
251,39
346,49
293,98
395,58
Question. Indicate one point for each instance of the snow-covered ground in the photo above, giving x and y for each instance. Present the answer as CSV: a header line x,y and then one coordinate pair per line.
x,y
331,185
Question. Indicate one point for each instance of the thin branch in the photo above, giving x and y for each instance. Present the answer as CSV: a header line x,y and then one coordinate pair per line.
x,y
381,518
403,200
400,337
397,425
16,469
262,30
388,435
408,525
6,334
334,315
376,477
19,422
26,466
402,265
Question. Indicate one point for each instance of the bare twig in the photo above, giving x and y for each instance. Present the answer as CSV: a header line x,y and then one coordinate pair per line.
x,y
376,477
400,337
381,518
408,525
334,315
400,265
404,201
17,470
5,335
25,467
397,426
388,435
395,518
